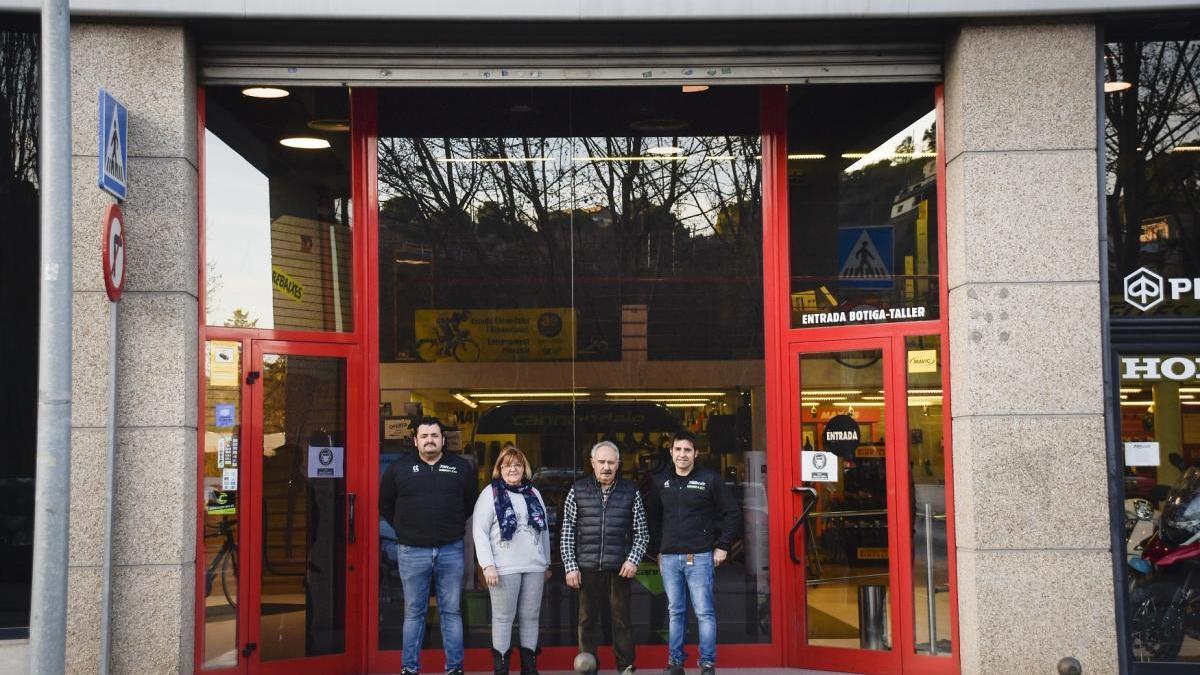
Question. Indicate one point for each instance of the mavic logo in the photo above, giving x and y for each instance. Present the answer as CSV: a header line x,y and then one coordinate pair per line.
x,y
1143,289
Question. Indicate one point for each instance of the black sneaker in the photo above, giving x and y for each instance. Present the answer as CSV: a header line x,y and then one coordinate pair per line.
x,y
409,671
708,669
673,669
455,671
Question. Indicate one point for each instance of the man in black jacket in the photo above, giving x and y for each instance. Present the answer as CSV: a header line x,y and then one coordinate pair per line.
x,y
604,536
427,496
700,520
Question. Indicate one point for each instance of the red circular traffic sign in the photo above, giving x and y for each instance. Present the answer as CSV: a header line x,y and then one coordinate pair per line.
x,y
113,252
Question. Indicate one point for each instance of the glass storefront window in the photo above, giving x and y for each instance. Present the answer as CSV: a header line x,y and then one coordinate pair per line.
x,y
19,260
1152,157
927,485
220,471
561,266
1160,438
862,196
277,227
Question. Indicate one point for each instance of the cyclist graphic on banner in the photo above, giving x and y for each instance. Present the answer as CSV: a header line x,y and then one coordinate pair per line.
x,y
492,335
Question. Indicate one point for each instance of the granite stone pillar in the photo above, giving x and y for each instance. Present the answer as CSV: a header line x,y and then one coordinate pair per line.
x,y
150,70
1031,511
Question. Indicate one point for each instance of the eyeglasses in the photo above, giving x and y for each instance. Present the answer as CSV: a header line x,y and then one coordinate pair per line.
x,y
518,467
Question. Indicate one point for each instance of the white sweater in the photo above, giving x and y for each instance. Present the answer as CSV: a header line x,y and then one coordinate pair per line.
x,y
527,551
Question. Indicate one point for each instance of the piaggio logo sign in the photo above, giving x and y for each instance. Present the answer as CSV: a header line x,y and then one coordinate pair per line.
x,y
1144,289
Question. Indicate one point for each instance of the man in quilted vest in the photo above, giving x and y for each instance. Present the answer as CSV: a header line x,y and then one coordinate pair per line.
x,y
604,536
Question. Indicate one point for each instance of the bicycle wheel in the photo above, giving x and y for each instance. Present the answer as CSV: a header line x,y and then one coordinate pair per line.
x,y
229,562
427,350
466,351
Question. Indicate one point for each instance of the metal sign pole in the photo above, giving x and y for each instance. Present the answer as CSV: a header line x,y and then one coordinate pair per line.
x,y
111,461
52,499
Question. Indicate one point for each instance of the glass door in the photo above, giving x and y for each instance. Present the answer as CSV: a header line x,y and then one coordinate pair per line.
x,y
303,604
843,542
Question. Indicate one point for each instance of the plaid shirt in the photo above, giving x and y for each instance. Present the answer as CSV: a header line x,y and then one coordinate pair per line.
x,y
641,532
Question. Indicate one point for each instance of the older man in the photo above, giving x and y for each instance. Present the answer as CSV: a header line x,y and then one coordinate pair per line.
x,y
604,536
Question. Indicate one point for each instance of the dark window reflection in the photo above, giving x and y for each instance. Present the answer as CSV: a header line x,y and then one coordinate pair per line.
x,y
1152,158
277,210
862,203
19,257
553,262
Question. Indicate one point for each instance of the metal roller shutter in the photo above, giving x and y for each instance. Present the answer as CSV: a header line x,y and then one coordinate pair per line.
x,y
387,66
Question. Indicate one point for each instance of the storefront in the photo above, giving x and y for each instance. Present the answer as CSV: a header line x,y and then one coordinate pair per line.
x,y
796,238
555,265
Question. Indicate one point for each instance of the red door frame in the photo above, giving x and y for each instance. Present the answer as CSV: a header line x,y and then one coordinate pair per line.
x,y
359,418
355,459
834,658
783,342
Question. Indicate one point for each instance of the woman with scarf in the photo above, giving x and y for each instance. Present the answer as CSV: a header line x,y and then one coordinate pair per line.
x,y
512,542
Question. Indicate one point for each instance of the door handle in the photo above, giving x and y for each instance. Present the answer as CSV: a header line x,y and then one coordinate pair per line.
x,y
800,490
352,499
249,649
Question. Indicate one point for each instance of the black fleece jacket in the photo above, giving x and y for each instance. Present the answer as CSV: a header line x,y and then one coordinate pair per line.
x,y
693,513
428,504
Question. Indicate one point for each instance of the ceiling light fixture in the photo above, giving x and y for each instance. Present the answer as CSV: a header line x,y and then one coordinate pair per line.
x,y
665,150
807,155
805,393
1114,87
304,143
694,88
1186,148
330,124
265,92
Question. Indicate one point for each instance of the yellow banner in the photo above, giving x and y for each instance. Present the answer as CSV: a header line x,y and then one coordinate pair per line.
x,y
472,335
287,285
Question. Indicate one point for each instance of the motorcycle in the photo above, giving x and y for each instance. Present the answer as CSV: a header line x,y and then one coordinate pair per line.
x,y
1164,596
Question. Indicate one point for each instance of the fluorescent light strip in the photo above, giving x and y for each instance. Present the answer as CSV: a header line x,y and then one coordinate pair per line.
x,y
1137,403
924,391
661,158
498,160
859,404
1185,390
872,398
830,397
828,392
807,155
468,402
684,405
1138,390
529,394
652,394
1186,148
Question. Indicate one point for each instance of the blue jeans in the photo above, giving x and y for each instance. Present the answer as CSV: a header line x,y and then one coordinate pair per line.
x,y
683,581
419,566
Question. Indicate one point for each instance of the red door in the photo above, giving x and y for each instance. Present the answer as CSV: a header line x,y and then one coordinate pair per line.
x,y
861,418
303,523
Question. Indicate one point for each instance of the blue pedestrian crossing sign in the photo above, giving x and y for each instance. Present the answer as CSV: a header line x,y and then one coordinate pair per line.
x,y
865,256
114,149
